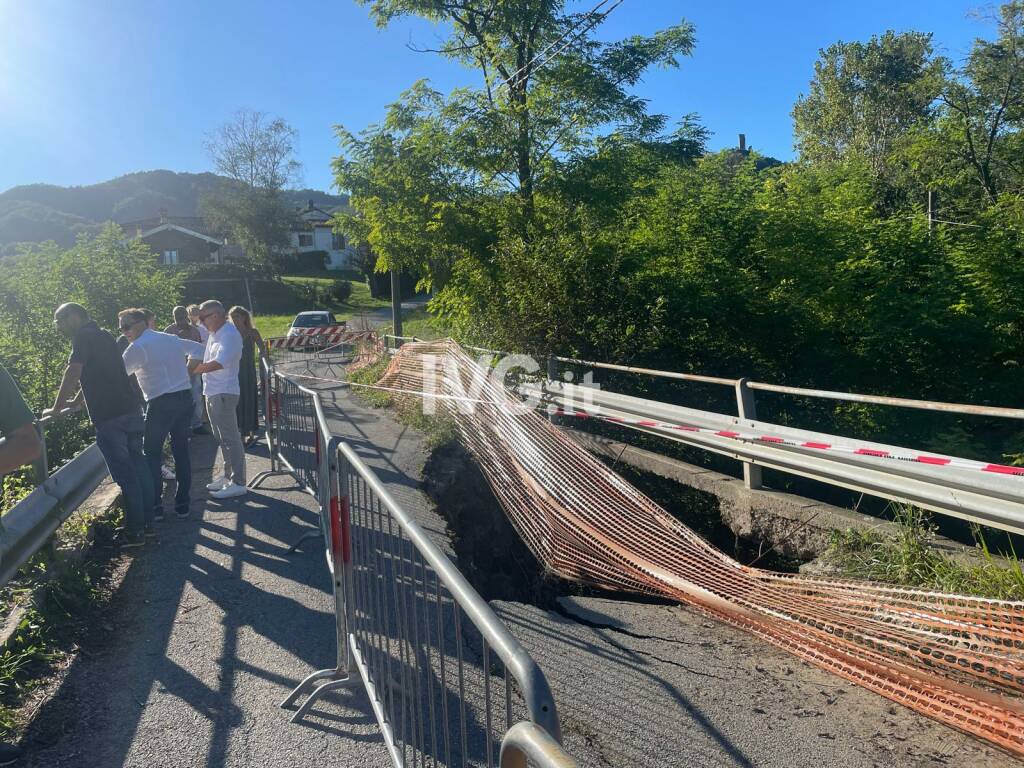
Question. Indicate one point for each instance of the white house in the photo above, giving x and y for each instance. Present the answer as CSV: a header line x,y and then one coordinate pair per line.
x,y
312,231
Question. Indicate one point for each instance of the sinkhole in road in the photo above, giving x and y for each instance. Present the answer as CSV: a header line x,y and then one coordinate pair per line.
x,y
700,511
493,557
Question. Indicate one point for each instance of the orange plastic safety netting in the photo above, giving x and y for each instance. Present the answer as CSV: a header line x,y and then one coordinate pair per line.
x,y
957,659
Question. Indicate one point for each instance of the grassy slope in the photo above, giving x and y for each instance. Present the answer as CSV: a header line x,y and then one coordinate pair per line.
x,y
358,303
421,324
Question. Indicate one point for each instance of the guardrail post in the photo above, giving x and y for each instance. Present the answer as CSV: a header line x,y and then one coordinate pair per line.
x,y
747,409
40,467
552,374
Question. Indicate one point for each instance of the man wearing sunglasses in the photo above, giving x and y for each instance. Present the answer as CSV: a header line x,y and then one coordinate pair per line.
x,y
158,362
220,385
113,409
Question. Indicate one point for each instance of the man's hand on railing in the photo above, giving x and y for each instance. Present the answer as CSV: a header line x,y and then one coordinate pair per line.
x,y
49,414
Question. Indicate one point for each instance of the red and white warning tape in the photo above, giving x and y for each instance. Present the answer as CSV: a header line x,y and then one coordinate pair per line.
x,y
318,330
326,336
942,461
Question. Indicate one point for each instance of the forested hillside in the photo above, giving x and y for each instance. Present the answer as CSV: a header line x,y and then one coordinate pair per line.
x,y
40,212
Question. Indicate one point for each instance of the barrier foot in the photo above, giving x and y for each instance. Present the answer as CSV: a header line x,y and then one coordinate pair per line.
x,y
255,482
308,535
334,680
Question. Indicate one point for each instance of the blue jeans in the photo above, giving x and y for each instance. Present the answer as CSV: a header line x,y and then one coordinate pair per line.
x,y
120,441
170,414
197,400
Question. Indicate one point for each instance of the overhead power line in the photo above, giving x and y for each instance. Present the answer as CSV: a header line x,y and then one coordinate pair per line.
x,y
591,19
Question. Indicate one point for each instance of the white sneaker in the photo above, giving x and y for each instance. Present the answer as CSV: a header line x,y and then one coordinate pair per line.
x,y
230,491
167,472
217,484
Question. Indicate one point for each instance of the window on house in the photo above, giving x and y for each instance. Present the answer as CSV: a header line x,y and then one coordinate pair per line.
x,y
305,240
337,242
170,258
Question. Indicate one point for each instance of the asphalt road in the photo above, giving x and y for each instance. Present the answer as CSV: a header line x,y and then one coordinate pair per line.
x,y
211,628
216,623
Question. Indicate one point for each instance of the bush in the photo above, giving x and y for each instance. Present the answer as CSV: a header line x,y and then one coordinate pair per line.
x,y
103,273
311,261
323,293
340,291
215,271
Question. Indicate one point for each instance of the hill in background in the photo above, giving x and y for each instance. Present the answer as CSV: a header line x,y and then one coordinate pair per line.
x,y
39,212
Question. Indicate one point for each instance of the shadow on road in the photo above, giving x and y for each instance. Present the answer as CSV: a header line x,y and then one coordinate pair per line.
x,y
182,630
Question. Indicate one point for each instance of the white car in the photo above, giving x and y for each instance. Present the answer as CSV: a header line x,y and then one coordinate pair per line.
x,y
306,320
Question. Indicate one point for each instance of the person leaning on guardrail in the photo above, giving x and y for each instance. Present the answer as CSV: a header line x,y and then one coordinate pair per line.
x,y
220,385
158,362
20,445
113,409
183,328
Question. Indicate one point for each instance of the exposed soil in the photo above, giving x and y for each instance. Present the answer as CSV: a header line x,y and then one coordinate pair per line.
x,y
699,511
494,559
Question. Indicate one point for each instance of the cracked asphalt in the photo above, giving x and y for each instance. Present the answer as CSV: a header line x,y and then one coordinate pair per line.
x,y
215,624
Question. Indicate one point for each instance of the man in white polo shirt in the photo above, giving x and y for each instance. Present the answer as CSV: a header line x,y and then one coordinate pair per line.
x,y
158,361
220,385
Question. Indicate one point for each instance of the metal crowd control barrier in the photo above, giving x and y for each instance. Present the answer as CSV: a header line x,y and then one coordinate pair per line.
x,y
325,353
448,683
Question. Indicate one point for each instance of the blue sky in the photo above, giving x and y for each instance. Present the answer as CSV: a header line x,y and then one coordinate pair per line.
x,y
89,91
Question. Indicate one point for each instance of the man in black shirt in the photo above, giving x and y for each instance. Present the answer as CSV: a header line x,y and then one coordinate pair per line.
x,y
113,410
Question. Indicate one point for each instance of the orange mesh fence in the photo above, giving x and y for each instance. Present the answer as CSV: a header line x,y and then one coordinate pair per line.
x,y
957,659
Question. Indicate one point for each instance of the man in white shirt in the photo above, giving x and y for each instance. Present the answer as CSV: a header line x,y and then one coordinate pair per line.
x,y
159,363
220,385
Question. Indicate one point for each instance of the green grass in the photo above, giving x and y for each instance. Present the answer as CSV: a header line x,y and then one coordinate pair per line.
x,y
66,599
421,324
359,302
439,429
908,558
270,326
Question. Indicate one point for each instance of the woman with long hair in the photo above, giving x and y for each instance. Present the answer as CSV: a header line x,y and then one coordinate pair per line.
x,y
248,397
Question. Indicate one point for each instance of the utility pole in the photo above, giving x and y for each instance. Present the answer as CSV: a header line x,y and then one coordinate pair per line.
x,y
933,204
396,303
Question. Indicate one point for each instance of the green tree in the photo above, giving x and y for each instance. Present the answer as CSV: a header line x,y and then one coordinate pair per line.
x,y
985,106
256,154
549,85
412,203
866,96
104,273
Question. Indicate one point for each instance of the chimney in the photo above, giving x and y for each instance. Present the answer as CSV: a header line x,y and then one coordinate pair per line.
x,y
163,215
311,206
138,231
743,143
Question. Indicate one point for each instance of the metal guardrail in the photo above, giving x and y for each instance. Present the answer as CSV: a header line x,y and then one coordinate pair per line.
x,y
746,406
988,498
28,525
852,397
447,681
